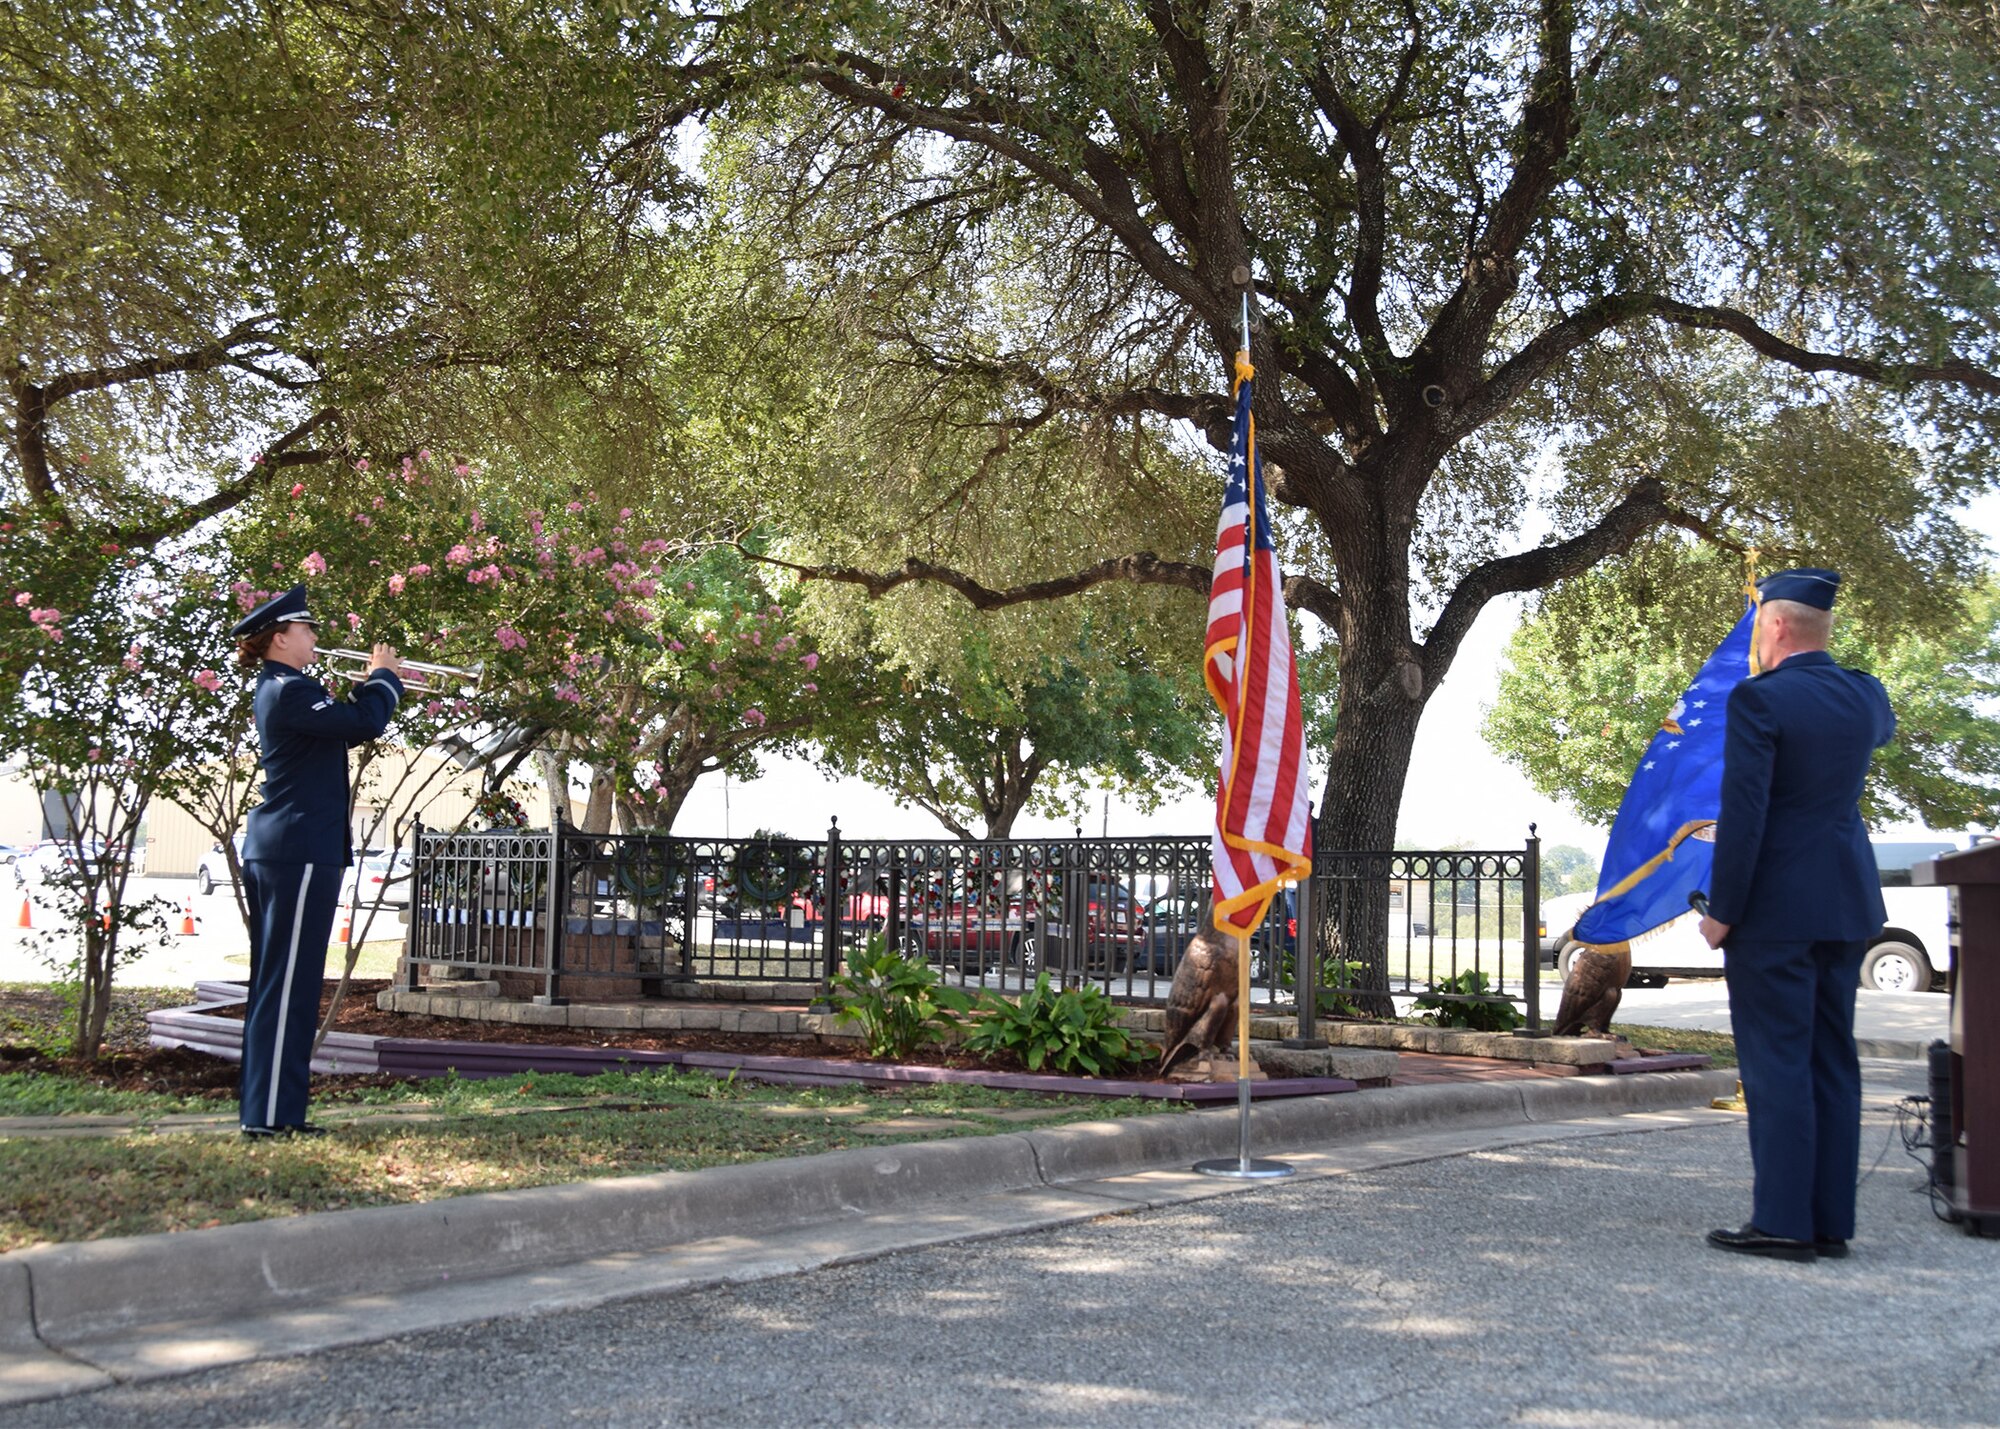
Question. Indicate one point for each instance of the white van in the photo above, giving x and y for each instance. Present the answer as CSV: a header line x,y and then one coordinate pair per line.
x,y
1910,954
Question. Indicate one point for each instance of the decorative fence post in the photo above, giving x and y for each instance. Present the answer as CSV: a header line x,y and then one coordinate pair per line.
x,y
1531,928
681,854
892,924
829,905
557,912
1305,960
417,903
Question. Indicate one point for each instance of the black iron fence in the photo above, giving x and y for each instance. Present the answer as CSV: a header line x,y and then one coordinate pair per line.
x,y
578,915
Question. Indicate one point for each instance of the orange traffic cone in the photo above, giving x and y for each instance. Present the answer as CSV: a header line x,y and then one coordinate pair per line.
x,y
187,918
27,912
346,934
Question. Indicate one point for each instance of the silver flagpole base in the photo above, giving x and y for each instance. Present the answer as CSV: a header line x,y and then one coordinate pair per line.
x,y
1244,1166
1237,1169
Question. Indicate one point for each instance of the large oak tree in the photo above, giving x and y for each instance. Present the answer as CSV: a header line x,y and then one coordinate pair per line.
x,y
1472,231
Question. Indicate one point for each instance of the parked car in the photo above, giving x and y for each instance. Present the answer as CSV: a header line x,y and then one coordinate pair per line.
x,y
378,877
48,858
1910,953
213,871
1010,924
1171,922
8,853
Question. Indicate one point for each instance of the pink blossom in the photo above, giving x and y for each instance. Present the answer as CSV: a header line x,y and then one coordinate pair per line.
x,y
364,518
810,660
353,621
461,468
361,465
575,508
568,692
314,564
810,688
96,753
753,716
488,572
478,521
510,638
423,453
208,680
298,489
23,598
377,503
395,585
432,707
257,460
459,555
419,571
675,645
131,661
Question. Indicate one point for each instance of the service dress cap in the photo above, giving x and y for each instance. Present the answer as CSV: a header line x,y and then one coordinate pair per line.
x,y
281,609
1808,585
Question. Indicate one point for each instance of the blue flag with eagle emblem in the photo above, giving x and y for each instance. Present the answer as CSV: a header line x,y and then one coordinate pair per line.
x,y
1663,841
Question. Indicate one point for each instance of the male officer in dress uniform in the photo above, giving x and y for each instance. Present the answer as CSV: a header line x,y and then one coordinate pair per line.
x,y
1794,899
297,846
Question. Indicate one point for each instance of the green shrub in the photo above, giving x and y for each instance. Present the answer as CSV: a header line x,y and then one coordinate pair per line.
x,y
1334,972
1493,1014
1074,1031
900,1004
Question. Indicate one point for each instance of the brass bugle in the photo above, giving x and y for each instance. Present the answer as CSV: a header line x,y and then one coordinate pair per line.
x,y
361,659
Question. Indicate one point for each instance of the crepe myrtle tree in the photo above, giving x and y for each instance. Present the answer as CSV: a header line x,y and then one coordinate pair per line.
x,y
736,671
115,700
645,661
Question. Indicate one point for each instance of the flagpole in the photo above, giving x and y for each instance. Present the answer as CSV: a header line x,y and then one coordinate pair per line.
x,y
1244,1167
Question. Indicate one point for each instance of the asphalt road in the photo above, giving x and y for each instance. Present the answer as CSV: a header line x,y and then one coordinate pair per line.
x,y
1561,1284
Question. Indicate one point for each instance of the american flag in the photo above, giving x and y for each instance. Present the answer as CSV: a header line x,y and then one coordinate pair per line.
x,y
1260,804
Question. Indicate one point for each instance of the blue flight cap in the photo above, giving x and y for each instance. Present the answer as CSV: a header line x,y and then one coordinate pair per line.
x,y
281,609
1808,585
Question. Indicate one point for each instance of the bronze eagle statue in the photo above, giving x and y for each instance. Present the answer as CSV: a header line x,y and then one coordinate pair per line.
x,y
1202,1002
1591,990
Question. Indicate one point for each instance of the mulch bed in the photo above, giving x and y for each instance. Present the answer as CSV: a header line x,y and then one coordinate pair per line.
x,y
359,1014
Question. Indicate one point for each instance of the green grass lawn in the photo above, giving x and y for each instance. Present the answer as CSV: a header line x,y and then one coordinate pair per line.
x,y
429,1139
501,1134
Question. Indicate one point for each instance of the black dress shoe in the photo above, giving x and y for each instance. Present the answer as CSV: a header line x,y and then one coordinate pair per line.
x,y
263,1133
1827,1249
1751,1241
304,1128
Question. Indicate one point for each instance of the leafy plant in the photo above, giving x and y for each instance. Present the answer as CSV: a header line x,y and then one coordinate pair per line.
x,y
1074,1030
1489,1013
900,1004
1335,972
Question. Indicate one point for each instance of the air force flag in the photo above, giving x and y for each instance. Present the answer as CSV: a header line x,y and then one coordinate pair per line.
x,y
1663,842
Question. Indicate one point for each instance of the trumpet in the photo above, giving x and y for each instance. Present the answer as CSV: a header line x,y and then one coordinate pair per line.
x,y
361,660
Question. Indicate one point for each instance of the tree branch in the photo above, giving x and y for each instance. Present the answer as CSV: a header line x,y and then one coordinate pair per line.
x,y
1143,568
1644,506
284,452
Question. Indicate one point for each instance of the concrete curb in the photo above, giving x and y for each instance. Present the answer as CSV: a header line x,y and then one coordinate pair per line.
x,y
59,1294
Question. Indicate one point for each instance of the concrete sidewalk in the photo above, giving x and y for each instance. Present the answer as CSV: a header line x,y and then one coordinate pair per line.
x,y
80,1316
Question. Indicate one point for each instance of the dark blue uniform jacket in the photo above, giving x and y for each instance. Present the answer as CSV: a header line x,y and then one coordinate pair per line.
x,y
1792,859
305,734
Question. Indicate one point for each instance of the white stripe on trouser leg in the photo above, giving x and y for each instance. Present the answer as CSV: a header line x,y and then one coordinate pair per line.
x,y
285,999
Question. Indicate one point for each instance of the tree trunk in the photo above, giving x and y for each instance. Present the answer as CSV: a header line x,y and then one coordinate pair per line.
x,y
554,765
1381,701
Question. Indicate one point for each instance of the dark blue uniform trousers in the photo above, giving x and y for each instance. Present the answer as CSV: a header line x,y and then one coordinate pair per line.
x,y
1792,1008
291,922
